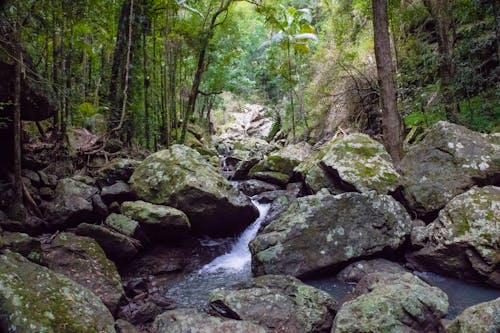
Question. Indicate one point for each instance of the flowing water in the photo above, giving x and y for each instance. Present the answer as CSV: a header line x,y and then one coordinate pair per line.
x,y
224,271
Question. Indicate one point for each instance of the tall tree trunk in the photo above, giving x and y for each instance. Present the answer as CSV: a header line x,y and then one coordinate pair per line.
x,y
441,13
146,88
391,119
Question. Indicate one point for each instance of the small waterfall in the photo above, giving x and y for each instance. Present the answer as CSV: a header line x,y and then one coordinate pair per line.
x,y
224,271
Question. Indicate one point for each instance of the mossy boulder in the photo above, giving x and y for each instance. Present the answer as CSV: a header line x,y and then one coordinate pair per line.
x,y
190,320
158,222
354,162
72,203
277,168
82,260
180,177
447,162
117,246
117,169
279,303
124,225
464,239
392,303
323,231
24,244
35,299
480,318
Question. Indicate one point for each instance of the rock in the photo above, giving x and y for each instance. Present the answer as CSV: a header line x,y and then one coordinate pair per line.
x,y
85,179
480,318
350,163
271,196
180,177
124,225
24,245
277,168
82,260
119,169
123,326
278,206
392,303
447,162
32,176
279,303
48,180
243,168
190,320
114,207
342,228
119,192
357,270
35,299
100,208
116,245
71,205
144,312
252,187
158,222
46,193
463,240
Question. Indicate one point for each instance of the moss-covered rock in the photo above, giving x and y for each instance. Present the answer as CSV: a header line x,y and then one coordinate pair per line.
x,y
35,299
277,302
124,225
117,246
323,230
158,222
447,162
82,260
180,177
278,167
464,239
480,318
359,269
24,244
117,169
392,303
351,163
190,320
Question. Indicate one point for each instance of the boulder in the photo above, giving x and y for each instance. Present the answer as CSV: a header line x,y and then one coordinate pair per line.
x,y
252,187
464,240
392,303
277,168
180,177
82,260
480,318
342,228
72,203
158,222
119,192
279,303
116,245
243,167
190,320
117,169
359,269
23,244
125,225
447,162
35,299
351,163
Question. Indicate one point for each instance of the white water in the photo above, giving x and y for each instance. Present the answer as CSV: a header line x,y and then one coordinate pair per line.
x,y
224,271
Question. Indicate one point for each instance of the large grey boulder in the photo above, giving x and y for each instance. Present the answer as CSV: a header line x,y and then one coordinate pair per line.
x,y
72,203
357,270
351,163
322,231
480,318
82,260
447,162
180,177
190,320
279,303
464,239
392,303
158,222
277,168
35,299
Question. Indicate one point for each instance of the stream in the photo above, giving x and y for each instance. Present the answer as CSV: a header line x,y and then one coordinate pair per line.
x,y
234,267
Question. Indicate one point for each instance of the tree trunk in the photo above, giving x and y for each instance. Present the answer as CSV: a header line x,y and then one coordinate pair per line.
x,y
146,88
391,119
440,11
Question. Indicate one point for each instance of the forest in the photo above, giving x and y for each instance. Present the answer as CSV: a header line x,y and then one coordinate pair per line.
x,y
150,148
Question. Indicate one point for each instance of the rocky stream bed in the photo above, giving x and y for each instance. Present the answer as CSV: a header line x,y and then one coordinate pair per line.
x,y
325,238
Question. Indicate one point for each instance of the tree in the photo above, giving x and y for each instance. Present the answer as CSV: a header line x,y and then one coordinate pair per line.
x,y
391,119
